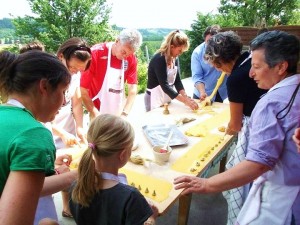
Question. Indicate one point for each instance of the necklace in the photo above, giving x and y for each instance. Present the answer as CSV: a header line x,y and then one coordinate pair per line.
x,y
109,176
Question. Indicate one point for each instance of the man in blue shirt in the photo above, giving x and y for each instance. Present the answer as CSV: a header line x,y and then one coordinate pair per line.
x,y
204,75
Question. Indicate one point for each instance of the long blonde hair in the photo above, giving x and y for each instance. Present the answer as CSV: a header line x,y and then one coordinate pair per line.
x,y
107,135
176,38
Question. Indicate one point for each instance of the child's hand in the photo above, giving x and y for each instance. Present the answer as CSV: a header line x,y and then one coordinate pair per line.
x,y
69,139
62,169
65,159
152,218
154,209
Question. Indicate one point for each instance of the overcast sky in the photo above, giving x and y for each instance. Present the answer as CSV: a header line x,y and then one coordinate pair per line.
x,y
138,13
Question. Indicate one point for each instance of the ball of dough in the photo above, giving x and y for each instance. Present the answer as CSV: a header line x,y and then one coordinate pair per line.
x,y
222,129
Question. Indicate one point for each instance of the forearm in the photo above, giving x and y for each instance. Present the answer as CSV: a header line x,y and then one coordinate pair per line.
x,y
201,88
182,98
88,103
241,174
78,114
236,118
78,117
182,92
132,92
233,127
58,182
57,131
20,196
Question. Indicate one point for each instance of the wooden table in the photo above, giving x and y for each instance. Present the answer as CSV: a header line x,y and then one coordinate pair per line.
x,y
138,118
165,172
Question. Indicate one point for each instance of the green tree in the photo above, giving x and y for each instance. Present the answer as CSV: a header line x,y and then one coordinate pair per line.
x,y
58,20
142,73
151,47
295,17
260,13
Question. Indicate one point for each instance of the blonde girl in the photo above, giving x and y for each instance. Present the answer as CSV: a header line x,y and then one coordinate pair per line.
x,y
101,195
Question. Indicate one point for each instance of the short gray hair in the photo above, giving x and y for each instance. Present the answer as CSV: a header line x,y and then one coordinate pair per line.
x,y
279,46
131,36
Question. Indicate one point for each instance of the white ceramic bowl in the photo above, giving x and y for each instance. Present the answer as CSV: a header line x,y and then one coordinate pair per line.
x,y
159,156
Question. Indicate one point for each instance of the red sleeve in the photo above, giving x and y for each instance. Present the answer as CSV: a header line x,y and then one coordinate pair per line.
x,y
131,72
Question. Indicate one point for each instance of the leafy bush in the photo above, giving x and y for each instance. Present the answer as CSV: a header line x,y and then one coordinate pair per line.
x,y
142,77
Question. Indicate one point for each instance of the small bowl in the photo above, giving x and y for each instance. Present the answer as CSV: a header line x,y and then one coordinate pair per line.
x,y
161,157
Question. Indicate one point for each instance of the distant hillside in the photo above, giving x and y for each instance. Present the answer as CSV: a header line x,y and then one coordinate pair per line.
x,y
151,34
154,34
6,23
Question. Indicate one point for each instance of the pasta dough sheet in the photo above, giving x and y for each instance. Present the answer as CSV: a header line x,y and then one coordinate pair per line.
x,y
157,190
203,129
199,155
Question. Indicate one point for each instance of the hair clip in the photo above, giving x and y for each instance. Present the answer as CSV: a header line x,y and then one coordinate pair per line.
x,y
92,146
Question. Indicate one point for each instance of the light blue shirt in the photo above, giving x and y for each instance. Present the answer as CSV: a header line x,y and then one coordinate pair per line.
x,y
270,139
203,72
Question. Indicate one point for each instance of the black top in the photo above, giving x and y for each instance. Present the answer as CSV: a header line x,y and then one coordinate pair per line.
x,y
157,75
241,88
119,205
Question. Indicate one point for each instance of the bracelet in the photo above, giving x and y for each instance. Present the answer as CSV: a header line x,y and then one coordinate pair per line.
x,y
56,172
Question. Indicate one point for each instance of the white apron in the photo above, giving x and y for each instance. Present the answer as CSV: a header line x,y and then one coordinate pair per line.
x,y
269,200
65,119
157,96
112,92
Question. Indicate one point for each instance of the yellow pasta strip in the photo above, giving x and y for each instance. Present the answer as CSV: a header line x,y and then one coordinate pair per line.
x,y
199,155
153,188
